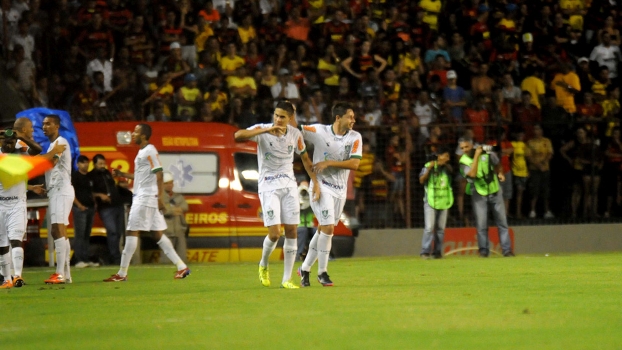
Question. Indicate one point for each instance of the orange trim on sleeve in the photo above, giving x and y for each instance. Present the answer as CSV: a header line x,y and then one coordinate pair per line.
x,y
301,145
355,146
150,161
309,128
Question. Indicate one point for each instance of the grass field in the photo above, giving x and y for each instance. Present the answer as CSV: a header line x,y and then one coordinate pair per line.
x,y
527,302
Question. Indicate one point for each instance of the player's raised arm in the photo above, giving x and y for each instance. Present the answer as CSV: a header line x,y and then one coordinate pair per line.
x,y
248,134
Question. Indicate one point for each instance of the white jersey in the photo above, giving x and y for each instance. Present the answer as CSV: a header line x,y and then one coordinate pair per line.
x,y
58,179
15,195
328,146
146,165
275,155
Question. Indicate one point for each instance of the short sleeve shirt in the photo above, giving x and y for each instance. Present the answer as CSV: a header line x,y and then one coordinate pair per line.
x,y
146,165
58,179
329,146
275,156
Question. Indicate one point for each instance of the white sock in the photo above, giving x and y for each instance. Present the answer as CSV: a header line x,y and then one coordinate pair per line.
x,y
268,248
18,260
167,247
311,253
324,242
128,251
290,249
60,246
68,261
11,265
5,268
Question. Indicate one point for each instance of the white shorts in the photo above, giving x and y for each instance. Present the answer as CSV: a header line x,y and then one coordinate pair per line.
x,y
328,209
60,208
280,206
144,218
12,224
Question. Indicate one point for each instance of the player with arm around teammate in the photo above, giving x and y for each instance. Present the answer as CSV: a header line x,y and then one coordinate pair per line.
x,y
147,205
278,189
337,150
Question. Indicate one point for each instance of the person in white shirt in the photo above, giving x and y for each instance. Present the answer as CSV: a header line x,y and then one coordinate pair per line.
x,y
101,64
23,38
11,16
147,205
426,114
607,55
278,189
337,150
61,195
13,204
285,89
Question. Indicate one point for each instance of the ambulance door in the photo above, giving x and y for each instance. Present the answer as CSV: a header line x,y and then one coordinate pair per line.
x,y
198,177
249,227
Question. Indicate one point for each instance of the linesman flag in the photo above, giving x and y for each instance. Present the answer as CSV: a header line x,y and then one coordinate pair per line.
x,y
15,168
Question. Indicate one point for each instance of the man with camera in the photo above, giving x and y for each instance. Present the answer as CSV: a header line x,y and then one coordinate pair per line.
x,y
481,167
436,180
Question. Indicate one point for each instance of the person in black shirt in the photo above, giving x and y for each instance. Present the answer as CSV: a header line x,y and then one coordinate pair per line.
x,y
83,213
109,205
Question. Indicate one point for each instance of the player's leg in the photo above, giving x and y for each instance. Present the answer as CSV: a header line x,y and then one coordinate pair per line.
x,y
5,268
157,227
136,222
290,217
271,208
67,204
16,228
57,219
321,211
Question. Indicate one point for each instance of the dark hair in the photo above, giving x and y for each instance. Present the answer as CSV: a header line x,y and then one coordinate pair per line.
x,y
82,158
442,150
286,106
145,129
55,118
97,157
526,93
340,109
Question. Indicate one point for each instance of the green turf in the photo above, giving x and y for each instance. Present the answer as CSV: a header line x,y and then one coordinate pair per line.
x,y
527,302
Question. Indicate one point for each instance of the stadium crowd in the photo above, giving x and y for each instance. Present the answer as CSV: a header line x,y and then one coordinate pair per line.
x,y
420,73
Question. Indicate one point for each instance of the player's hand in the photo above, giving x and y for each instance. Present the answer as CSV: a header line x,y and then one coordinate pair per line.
x,y
277,130
20,135
58,148
316,192
117,173
319,167
177,211
38,189
161,204
105,198
501,177
478,150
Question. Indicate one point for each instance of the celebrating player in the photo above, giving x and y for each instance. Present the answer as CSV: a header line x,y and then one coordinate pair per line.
x,y
147,205
337,150
61,194
278,190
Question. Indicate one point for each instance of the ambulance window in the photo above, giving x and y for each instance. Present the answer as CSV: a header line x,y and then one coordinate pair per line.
x,y
193,173
246,165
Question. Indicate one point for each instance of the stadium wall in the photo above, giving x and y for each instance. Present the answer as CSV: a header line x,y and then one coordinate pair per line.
x,y
527,240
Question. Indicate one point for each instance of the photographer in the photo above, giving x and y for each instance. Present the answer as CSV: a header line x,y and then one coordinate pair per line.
x,y
436,180
482,171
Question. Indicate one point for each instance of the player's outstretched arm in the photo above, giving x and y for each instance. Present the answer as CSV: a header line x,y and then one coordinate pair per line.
x,y
54,153
308,164
119,173
245,134
351,164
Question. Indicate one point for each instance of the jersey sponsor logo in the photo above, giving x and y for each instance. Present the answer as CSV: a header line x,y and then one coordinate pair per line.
x,y
9,198
276,177
336,187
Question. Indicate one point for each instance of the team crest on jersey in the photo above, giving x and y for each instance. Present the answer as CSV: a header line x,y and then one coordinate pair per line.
x,y
348,148
290,148
270,214
325,214
267,155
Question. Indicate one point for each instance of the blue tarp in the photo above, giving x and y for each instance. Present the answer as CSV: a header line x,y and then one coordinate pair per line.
x,y
36,115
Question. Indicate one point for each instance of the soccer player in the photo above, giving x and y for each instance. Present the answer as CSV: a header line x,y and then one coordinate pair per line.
x,y
337,150
61,195
13,205
147,205
278,190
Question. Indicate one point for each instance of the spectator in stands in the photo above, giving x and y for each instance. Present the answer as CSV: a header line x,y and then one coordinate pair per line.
x,y
23,38
438,48
600,84
455,97
426,114
612,172
539,154
101,64
590,114
83,213
482,84
477,116
526,115
189,97
511,92
175,209
566,85
607,54
284,89
395,156
374,200
520,172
